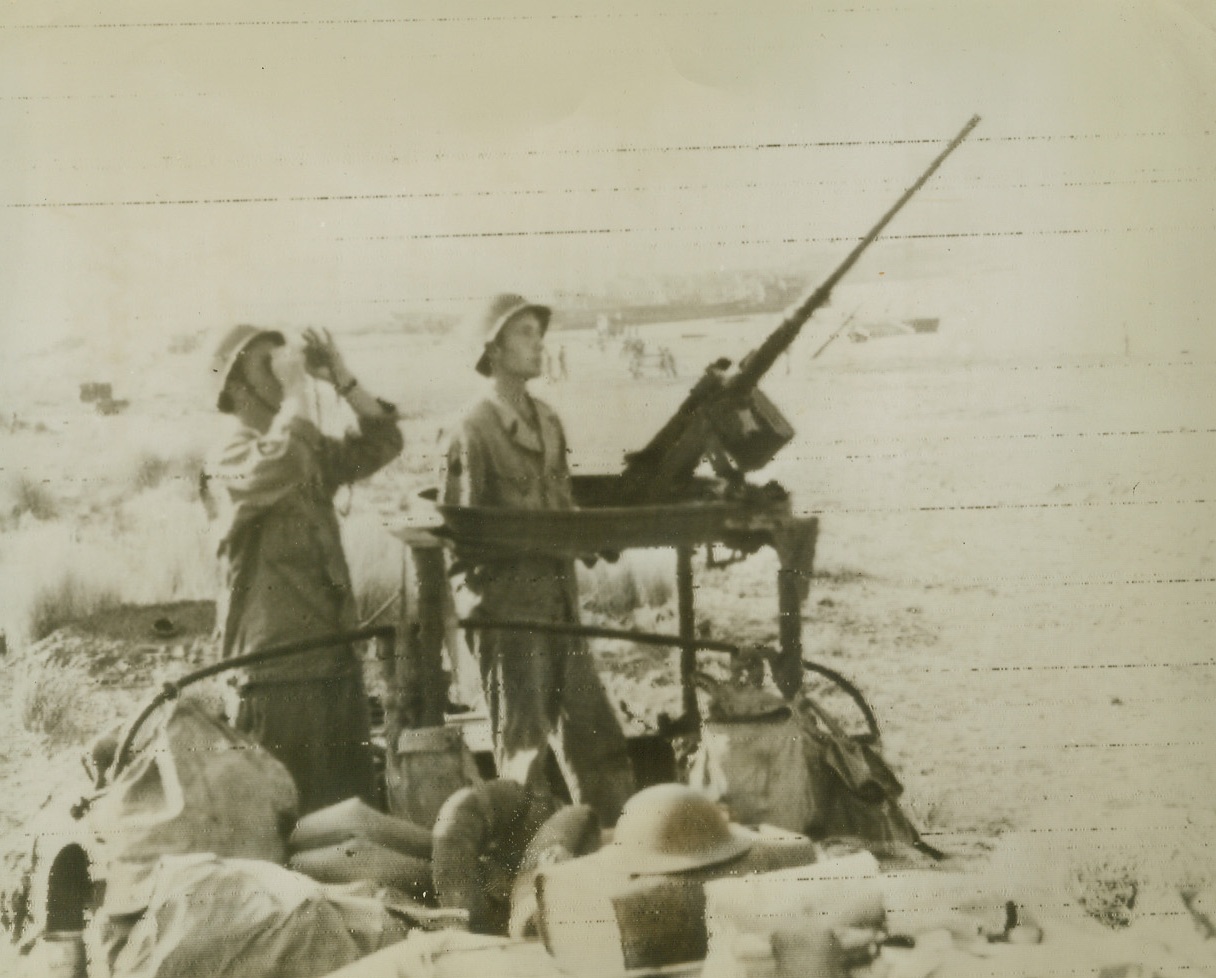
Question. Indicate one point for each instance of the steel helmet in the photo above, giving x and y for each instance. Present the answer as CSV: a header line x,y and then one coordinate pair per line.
x,y
228,350
669,828
497,313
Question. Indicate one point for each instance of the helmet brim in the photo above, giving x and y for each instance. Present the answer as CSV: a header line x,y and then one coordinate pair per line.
x,y
226,359
543,313
738,844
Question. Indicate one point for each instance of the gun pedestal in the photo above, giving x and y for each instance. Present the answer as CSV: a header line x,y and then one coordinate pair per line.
x,y
426,760
600,527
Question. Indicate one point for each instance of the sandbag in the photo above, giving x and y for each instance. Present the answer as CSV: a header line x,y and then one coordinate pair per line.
x,y
362,860
661,920
354,818
796,768
760,770
456,954
863,793
569,832
597,913
481,835
240,918
46,871
198,786
792,915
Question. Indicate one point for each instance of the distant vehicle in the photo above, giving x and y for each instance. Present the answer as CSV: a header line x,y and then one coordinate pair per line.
x,y
101,396
908,327
641,362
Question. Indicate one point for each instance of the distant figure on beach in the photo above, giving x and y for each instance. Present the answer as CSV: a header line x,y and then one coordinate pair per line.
x,y
667,362
272,480
544,694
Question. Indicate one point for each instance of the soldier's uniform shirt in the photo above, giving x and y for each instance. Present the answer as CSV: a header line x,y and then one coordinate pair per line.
x,y
286,578
543,691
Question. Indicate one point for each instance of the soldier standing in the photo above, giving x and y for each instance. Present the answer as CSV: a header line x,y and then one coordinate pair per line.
x,y
272,479
542,689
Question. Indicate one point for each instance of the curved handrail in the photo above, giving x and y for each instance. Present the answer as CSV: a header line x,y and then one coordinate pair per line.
x,y
658,638
171,690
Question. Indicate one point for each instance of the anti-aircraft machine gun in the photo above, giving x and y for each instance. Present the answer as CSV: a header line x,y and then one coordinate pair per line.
x,y
659,500
725,417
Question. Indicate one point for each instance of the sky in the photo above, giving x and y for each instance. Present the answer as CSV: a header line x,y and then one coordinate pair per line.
x,y
172,167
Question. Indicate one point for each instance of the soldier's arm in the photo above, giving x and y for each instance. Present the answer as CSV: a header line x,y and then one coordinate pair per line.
x,y
375,443
465,476
378,439
259,469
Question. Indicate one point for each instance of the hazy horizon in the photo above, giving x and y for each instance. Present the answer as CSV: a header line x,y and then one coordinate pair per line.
x,y
176,168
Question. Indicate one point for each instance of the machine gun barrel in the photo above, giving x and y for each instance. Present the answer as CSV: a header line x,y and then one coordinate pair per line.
x,y
670,457
757,363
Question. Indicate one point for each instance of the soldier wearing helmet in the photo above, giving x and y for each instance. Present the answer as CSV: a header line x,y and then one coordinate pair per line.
x,y
544,695
272,478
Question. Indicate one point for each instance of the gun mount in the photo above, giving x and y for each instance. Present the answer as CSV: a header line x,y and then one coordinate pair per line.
x,y
658,500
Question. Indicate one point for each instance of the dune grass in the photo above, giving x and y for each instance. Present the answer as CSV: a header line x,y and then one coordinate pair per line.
x,y
48,702
638,579
151,547
51,577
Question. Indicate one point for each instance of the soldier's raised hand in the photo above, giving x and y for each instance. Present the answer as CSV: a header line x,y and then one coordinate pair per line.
x,y
323,359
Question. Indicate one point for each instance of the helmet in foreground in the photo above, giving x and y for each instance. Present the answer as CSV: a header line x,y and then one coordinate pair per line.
x,y
670,828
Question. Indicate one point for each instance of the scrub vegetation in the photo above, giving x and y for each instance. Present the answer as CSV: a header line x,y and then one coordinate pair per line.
x,y
986,540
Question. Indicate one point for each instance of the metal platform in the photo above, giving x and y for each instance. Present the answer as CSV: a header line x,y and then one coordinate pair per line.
x,y
602,523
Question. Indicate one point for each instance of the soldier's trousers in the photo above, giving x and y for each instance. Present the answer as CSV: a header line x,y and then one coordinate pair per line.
x,y
544,694
319,729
